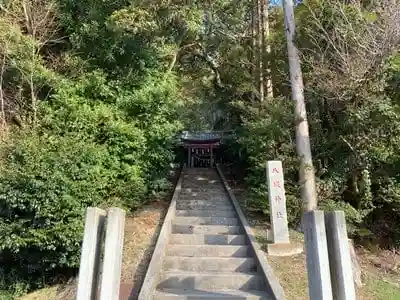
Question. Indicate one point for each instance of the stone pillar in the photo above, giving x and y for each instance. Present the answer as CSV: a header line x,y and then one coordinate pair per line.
x,y
277,202
90,254
279,233
319,276
111,273
339,256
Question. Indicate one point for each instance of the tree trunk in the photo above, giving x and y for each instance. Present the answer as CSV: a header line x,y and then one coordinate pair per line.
x,y
32,87
267,49
253,36
303,147
260,44
3,124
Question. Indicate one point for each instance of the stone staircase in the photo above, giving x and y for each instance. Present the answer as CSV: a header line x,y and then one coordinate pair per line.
x,y
207,255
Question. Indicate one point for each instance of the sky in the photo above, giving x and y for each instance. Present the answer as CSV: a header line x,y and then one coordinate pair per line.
x,y
275,2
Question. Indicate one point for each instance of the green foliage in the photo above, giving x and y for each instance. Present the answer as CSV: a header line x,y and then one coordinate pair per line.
x,y
5,295
101,138
353,217
353,113
266,135
95,147
99,90
381,289
46,184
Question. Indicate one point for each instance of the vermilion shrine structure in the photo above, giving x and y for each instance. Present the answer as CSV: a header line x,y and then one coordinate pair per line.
x,y
202,149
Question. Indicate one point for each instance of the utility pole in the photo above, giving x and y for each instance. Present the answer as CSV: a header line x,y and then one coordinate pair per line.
x,y
303,147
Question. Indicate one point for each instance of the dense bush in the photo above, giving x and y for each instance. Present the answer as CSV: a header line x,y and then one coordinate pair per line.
x,y
96,145
97,138
46,183
266,135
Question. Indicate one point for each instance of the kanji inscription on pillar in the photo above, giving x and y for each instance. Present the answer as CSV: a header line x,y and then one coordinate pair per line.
x,y
277,202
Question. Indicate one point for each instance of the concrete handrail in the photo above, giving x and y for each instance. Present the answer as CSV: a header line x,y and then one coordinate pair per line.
x,y
157,258
114,243
91,252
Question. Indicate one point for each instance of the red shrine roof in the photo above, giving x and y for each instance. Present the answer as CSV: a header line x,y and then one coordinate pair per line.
x,y
203,139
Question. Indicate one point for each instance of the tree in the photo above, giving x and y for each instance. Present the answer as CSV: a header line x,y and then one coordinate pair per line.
x,y
34,21
267,49
303,147
260,48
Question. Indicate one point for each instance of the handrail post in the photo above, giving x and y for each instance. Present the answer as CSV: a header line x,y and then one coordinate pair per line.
x,y
90,254
111,273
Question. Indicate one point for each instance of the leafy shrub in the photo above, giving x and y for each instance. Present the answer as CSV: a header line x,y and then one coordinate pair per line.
x,y
46,183
266,135
90,149
353,217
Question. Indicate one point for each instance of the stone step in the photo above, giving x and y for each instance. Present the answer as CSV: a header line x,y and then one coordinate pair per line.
x,y
204,193
213,175
211,281
210,264
205,174
207,251
204,198
206,229
185,294
202,206
206,221
204,202
201,181
206,213
207,239
199,170
201,176
208,198
209,185
212,170
203,189
197,178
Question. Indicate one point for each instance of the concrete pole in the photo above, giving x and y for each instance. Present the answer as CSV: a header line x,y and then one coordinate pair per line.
x,y
339,256
318,271
90,254
111,275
